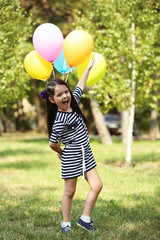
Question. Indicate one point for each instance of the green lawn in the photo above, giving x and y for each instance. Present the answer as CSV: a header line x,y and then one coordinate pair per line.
x,y
31,189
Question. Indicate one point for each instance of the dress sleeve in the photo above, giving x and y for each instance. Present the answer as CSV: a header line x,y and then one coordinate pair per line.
x,y
77,94
54,137
57,129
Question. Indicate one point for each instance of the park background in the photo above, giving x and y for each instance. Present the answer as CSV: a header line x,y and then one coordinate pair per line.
x,y
126,33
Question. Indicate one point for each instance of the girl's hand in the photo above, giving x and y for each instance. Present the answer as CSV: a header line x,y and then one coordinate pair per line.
x,y
83,79
59,155
91,62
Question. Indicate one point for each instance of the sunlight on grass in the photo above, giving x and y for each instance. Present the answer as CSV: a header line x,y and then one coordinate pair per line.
x,y
31,191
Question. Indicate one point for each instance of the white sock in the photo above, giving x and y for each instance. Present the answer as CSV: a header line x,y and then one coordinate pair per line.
x,y
65,224
86,219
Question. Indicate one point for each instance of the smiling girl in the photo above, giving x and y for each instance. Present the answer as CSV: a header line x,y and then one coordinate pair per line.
x,y
67,123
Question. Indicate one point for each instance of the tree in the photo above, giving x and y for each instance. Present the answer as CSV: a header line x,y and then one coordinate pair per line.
x,y
39,110
130,69
100,123
57,12
109,23
15,29
61,14
154,124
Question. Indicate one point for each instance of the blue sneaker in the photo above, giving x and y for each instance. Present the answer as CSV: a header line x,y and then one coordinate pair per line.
x,y
66,229
87,226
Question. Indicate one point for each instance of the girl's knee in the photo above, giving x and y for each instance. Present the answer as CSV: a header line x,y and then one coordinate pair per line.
x,y
94,181
70,193
97,187
70,187
100,186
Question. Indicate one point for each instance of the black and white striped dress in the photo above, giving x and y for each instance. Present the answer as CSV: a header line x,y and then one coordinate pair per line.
x,y
77,157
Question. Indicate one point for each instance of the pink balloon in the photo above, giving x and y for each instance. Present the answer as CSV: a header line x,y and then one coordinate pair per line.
x,y
48,41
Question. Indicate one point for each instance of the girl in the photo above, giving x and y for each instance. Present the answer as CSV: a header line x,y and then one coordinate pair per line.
x,y
67,123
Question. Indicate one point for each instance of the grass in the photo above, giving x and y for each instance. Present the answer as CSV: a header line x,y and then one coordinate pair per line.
x,y
31,189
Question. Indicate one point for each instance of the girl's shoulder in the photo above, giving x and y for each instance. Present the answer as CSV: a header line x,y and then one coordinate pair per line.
x,y
77,94
77,91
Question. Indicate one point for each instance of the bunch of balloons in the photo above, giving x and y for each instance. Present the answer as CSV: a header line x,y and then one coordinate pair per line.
x,y
51,50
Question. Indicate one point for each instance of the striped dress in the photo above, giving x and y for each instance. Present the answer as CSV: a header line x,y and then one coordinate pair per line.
x,y
77,157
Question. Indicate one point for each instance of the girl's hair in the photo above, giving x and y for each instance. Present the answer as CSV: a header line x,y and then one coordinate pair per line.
x,y
52,108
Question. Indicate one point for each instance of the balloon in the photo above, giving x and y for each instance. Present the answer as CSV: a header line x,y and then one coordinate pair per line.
x,y
77,46
61,64
37,67
48,41
96,72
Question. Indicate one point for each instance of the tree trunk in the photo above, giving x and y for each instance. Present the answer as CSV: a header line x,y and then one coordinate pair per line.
x,y
124,125
1,127
132,106
40,115
48,9
154,125
130,135
4,120
100,123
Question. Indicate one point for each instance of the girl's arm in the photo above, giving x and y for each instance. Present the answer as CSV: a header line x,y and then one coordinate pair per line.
x,y
83,79
56,148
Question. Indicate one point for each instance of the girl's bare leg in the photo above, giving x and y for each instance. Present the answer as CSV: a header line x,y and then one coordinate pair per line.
x,y
95,184
69,191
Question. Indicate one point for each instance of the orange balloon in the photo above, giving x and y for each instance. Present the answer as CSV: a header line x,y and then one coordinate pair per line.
x,y
77,46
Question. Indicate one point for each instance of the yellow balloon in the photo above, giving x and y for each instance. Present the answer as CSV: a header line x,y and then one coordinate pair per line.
x,y
37,67
96,72
77,46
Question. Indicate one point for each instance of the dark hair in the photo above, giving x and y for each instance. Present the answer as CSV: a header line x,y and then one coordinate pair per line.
x,y
52,108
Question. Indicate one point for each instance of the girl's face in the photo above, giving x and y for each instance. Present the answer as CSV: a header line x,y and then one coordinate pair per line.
x,y
62,98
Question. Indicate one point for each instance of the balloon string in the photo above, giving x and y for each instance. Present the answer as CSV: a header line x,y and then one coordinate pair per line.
x,y
67,77
54,73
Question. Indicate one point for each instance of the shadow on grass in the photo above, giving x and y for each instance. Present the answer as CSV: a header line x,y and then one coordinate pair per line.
x,y
31,216
146,157
114,221
26,165
20,151
139,158
35,140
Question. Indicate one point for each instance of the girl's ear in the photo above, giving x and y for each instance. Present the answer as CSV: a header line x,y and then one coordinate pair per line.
x,y
51,99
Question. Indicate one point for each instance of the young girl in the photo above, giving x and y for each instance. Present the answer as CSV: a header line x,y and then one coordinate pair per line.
x,y
67,123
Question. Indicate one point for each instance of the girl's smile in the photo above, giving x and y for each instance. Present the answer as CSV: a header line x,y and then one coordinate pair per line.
x,y
62,98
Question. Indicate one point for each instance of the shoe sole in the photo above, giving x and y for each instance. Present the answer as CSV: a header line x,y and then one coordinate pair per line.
x,y
83,227
66,232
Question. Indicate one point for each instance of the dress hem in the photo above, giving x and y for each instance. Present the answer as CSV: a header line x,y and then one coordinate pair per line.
x,y
81,173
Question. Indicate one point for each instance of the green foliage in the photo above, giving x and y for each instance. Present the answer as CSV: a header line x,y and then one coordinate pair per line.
x,y
59,13
109,23
15,29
